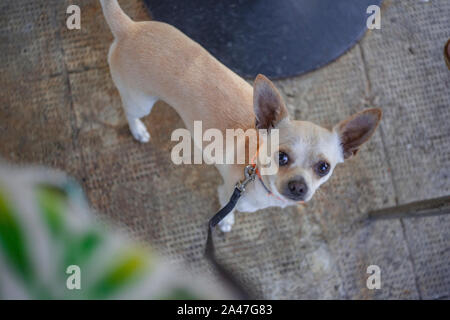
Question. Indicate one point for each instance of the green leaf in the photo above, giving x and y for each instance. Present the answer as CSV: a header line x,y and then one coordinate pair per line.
x,y
52,202
79,248
180,294
126,272
12,239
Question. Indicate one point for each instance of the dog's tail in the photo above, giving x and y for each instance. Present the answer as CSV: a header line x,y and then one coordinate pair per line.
x,y
117,20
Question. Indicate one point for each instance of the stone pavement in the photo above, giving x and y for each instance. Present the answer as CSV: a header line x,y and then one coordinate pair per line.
x,y
59,107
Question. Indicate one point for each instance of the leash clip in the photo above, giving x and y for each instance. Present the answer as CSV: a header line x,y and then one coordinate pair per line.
x,y
250,174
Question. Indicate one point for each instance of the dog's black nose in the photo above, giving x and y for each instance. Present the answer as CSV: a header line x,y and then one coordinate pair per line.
x,y
298,189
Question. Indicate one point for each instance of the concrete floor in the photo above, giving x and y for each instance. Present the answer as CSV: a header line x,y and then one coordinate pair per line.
x,y
59,107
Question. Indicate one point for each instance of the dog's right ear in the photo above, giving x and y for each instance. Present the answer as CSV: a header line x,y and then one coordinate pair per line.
x,y
267,103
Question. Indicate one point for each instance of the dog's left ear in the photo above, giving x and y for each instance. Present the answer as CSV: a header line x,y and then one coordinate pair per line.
x,y
357,129
267,103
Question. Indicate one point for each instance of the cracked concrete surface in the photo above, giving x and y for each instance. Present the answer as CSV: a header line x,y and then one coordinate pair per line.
x,y
60,108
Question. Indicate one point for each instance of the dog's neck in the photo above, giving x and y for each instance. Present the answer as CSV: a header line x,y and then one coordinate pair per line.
x,y
252,159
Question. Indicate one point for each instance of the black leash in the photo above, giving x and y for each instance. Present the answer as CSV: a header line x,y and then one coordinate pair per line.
x,y
250,173
219,216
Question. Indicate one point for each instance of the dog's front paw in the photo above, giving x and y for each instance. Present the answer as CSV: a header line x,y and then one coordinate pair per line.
x,y
139,131
226,224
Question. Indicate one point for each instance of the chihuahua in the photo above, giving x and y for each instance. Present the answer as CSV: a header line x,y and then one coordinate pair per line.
x,y
151,61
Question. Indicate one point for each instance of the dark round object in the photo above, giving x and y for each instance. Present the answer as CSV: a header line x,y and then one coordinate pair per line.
x,y
277,38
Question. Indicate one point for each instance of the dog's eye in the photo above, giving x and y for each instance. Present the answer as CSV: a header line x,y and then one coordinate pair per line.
x,y
283,158
322,168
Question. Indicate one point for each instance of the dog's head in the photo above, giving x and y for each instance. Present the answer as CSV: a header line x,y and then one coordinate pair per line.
x,y
307,153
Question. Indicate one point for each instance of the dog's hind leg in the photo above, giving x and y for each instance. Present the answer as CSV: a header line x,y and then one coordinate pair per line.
x,y
137,106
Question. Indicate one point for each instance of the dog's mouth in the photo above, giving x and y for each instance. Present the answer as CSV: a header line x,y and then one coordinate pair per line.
x,y
295,199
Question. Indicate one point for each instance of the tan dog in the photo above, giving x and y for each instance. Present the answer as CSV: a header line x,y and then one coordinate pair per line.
x,y
152,61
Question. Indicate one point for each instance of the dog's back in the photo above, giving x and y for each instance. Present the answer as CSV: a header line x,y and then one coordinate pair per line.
x,y
153,59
